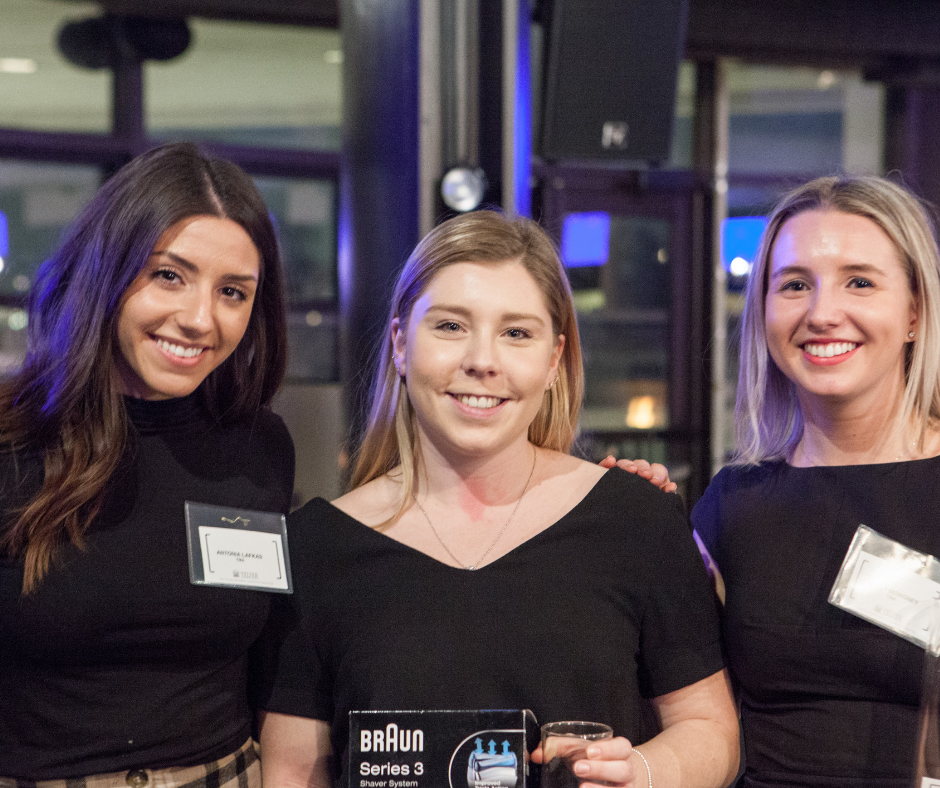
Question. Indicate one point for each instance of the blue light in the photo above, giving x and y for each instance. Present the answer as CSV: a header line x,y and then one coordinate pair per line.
x,y
4,237
740,237
585,239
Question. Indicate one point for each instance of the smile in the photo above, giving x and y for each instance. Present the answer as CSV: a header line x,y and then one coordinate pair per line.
x,y
830,349
477,402
179,350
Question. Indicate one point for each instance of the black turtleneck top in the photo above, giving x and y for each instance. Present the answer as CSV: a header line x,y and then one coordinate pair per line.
x,y
117,661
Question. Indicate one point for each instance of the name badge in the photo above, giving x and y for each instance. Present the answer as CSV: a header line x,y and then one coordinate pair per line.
x,y
238,548
892,586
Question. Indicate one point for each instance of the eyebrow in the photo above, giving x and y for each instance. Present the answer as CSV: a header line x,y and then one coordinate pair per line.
x,y
464,312
193,268
848,268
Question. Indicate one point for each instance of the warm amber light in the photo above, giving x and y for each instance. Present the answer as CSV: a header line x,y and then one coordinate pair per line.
x,y
641,412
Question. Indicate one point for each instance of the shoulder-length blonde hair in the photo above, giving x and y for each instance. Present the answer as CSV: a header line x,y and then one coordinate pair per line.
x,y
768,418
479,237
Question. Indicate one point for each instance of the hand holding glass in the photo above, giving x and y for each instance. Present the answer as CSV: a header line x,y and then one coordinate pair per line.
x,y
563,743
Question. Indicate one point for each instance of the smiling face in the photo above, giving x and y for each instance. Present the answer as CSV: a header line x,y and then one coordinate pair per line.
x,y
839,309
478,353
187,309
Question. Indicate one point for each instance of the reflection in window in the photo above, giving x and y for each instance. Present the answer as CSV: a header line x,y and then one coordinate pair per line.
x,y
304,214
250,84
37,201
41,90
623,312
791,120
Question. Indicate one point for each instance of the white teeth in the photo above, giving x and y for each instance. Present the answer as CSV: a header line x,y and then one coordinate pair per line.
x,y
831,349
479,402
178,350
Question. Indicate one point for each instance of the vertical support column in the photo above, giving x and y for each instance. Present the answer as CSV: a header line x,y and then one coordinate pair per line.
x,y
127,95
505,103
517,108
711,162
379,183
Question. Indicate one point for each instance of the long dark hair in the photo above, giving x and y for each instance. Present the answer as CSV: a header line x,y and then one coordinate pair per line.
x,y
64,403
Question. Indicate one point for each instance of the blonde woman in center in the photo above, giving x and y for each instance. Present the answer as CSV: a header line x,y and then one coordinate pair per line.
x,y
476,564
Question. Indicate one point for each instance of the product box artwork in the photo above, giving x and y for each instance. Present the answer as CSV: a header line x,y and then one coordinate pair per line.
x,y
441,749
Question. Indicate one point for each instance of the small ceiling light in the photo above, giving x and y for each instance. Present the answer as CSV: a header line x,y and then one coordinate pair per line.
x,y
826,80
18,65
462,188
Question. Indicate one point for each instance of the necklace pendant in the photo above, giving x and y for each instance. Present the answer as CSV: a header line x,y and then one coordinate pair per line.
x,y
471,568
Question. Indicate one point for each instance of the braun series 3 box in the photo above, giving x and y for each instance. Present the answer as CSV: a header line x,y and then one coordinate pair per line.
x,y
441,749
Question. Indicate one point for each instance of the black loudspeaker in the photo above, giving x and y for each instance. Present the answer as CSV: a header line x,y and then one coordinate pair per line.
x,y
610,78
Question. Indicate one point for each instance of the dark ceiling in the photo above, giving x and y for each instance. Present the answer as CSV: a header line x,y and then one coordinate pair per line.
x,y
873,33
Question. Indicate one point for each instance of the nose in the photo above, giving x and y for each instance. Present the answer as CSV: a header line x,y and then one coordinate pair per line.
x,y
482,357
195,313
825,309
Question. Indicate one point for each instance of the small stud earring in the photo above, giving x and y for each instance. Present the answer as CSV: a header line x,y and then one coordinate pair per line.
x,y
910,334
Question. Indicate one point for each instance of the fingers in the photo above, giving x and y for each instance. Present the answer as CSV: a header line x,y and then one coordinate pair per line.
x,y
608,763
536,754
656,473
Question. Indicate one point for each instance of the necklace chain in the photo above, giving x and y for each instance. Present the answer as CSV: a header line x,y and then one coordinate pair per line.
x,y
499,536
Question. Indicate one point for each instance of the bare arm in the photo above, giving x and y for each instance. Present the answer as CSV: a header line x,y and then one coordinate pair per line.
x,y
698,748
295,752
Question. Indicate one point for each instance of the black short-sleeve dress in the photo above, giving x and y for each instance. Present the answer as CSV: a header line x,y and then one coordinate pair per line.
x,y
608,605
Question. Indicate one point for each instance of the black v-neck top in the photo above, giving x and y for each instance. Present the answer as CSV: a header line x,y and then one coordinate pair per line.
x,y
117,661
607,605
827,699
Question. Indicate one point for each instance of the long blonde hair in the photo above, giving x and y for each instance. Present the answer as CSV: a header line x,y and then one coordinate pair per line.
x,y
768,418
479,237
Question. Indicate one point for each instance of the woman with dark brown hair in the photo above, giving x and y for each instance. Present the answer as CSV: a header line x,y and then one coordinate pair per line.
x,y
157,339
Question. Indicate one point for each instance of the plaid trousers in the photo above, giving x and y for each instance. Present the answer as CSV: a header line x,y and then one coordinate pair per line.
x,y
241,769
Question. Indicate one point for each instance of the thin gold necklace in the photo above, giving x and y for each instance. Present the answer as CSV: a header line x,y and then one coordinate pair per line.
x,y
473,566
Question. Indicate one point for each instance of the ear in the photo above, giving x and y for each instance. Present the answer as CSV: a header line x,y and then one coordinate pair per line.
x,y
555,361
398,346
915,317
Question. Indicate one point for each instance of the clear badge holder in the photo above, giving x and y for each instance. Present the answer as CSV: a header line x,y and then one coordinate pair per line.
x,y
898,589
890,585
238,548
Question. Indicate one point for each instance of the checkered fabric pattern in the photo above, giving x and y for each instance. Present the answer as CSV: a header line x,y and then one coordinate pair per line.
x,y
241,769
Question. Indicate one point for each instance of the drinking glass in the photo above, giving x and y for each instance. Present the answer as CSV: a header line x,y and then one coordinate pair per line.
x,y
563,743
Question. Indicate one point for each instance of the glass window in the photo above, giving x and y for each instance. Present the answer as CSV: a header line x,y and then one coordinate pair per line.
x,y
304,213
623,313
803,120
253,84
37,202
41,90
